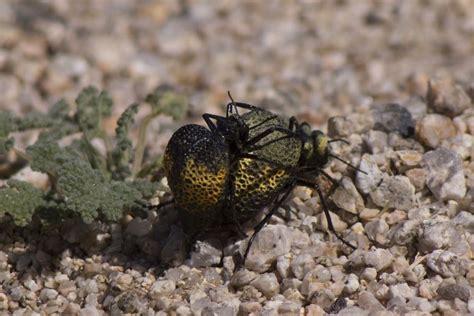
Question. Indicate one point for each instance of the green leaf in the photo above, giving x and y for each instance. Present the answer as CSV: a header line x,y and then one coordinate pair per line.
x,y
20,200
166,101
84,190
92,108
121,154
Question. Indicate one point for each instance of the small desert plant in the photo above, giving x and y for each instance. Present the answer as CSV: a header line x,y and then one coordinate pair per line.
x,y
83,182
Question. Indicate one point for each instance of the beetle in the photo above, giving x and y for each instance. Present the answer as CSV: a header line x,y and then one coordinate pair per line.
x,y
243,163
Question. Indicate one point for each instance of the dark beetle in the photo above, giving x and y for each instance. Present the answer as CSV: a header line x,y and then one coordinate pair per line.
x,y
241,165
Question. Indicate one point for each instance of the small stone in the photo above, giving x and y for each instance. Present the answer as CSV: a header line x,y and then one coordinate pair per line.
x,y
351,284
92,268
138,227
72,309
417,177
393,117
437,235
466,220
249,308
368,214
90,311
401,290
3,302
369,274
394,192
250,293
417,106
271,242
283,266
445,263
366,183
66,287
368,302
48,295
242,278
429,133
290,284
182,310
340,126
461,144
470,306
407,159
447,98
445,174
376,141
404,232
347,197
301,265
289,308
110,53
452,291
174,251
378,258
352,311
267,283
128,302
314,310
162,288
205,253
377,230
31,285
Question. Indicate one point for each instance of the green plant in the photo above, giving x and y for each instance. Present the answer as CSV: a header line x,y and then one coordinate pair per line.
x,y
84,182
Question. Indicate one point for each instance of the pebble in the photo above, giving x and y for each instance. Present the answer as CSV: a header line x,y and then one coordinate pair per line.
x,y
3,301
351,284
32,285
445,263
162,288
445,174
417,106
429,133
376,141
366,183
242,278
283,266
369,302
205,254
267,283
393,117
174,251
466,220
417,177
447,98
347,197
47,295
452,291
377,230
301,265
248,308
138,227
271,242
437,235
394,192
92,268
378,258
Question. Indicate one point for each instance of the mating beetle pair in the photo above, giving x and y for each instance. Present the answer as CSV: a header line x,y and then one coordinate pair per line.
x,y
241,164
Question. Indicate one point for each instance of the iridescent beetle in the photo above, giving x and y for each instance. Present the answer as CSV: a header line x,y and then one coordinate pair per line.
x,y
243,164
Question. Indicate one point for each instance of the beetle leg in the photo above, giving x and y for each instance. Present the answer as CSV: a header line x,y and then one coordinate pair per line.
x,y
267,217
325,209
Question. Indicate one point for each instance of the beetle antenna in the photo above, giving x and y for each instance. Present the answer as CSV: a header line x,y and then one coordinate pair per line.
x,y
348,164
339,140
233,102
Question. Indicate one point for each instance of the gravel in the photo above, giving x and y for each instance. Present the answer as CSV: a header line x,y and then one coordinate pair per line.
x,y
403,100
